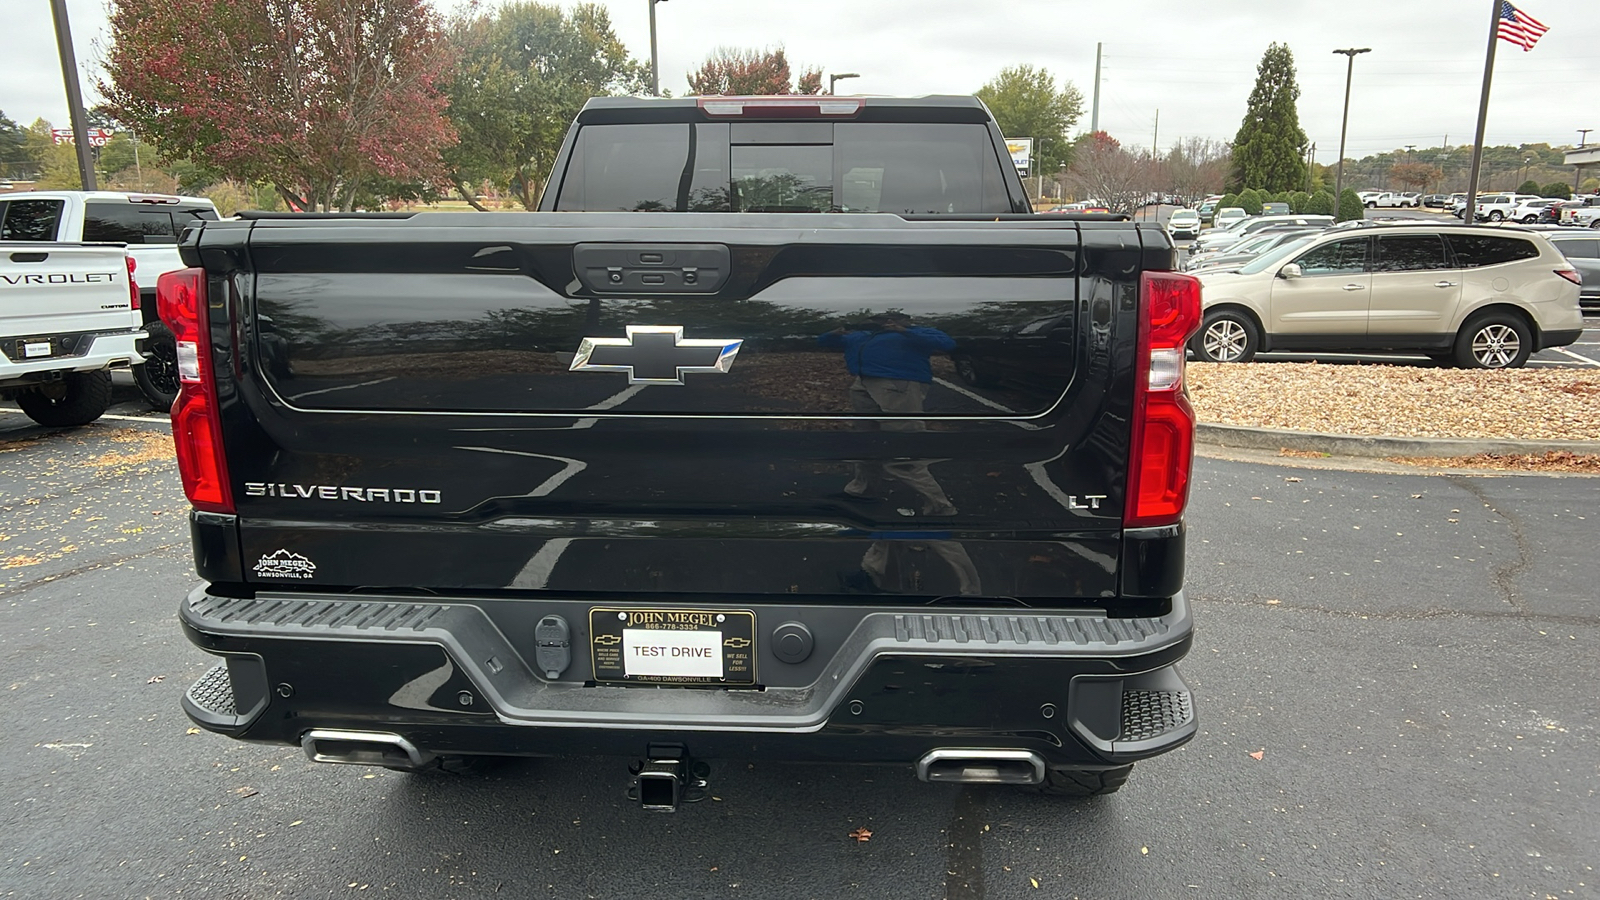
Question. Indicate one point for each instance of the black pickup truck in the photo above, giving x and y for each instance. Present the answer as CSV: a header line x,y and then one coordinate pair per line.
x,y
838,455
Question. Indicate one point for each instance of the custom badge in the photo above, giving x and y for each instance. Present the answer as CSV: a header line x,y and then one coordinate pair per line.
x,y
284,564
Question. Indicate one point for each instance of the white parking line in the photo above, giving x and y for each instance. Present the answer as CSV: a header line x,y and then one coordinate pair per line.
x,y
1582,359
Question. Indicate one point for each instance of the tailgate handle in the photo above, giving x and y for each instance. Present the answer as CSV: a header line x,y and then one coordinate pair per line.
x,y
651,268
29,256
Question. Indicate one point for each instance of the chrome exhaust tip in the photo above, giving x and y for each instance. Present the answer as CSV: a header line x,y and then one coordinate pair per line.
x,y
362,748
981,766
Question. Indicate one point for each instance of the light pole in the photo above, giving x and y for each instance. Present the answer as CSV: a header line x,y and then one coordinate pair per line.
x,y
655,64
1344,125
835,79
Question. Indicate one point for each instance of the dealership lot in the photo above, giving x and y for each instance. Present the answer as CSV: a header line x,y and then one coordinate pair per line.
x,y
1410,656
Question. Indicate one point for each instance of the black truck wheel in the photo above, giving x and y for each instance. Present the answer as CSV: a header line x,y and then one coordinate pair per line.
x,y
1082,782
157,378
77,399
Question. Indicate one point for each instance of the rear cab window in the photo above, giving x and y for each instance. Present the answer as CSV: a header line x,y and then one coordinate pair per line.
x,y
112,221
30,220
899,167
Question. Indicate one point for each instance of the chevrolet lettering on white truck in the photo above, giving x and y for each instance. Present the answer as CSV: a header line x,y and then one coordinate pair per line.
x,y
69,314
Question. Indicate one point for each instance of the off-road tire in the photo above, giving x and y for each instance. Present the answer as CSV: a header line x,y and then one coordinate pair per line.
x,y
1483,343
1226,335
157,377
86,397
1083,783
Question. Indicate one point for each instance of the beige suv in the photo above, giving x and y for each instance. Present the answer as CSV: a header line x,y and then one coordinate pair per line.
x,y
1476,297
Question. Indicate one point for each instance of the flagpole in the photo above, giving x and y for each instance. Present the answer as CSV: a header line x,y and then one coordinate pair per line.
x,y
1470,214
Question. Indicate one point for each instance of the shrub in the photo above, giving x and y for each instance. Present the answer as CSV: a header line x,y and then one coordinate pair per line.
x,y
1228,200
1528,187
1319,204
1350,206
1298,201
1250,201
1558,189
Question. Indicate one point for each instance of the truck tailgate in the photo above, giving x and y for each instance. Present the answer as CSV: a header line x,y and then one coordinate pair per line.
x,y
61,289
627,405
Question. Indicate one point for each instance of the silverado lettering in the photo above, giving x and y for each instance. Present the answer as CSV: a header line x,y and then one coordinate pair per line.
x,y
933,517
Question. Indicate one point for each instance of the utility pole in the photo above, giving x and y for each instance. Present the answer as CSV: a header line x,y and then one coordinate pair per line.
x,y
1094,115
835,79
1311,161
1471,216
655,64
1155,135
1344,125
69,74
1577,171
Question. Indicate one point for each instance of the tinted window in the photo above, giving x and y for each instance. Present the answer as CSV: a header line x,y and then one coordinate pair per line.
x,y
1473,250
30,220
1336,258
128,224
777,167
1410,253
1578,248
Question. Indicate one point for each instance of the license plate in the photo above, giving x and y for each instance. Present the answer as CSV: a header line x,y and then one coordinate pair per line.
x,y
31,349
673,646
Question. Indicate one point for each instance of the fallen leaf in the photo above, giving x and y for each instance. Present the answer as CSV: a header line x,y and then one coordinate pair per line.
x,y
245,791
1274,602
1034,882
1293,480
192,731
862,835
1416,496
156,679
1258,754
1144,851
297,822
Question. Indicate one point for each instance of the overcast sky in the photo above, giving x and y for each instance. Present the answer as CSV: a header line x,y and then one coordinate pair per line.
x,y
1193,61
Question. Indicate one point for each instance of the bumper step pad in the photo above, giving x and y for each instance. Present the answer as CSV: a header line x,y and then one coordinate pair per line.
x,y
1150,714
213,693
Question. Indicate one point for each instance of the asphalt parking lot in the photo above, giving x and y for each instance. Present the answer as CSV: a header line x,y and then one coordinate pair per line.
x,y
1409,656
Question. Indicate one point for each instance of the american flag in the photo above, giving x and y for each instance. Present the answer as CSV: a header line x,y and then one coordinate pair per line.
x,y
1518,27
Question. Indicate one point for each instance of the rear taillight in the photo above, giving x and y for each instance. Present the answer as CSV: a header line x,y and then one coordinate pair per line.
x,y
1162,449
196,424
133,288
1571,275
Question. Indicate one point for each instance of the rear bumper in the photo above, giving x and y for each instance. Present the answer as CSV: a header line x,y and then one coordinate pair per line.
x,y
1559,338
1080,690
89,352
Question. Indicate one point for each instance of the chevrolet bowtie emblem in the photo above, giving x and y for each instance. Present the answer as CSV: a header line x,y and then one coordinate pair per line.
x,y
654,354
606,640
737,643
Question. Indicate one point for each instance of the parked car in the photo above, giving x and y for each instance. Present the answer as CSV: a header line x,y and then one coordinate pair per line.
x,y
1274,208
1436,201
1528,211
1471,296
1228,216
1247,250
150,225
1583,212
1500,207
69,314
1391,199
1217,240
1183,224
441,566
1206,210
1582,249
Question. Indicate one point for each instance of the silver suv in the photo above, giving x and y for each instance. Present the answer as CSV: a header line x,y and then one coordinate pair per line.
x,y
1472,296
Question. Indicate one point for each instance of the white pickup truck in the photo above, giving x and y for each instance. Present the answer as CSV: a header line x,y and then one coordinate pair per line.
x,y
69,314
149,224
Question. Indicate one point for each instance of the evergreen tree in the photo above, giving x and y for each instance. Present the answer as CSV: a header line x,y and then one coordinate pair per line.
x,y
14,159
1269,149
1350,206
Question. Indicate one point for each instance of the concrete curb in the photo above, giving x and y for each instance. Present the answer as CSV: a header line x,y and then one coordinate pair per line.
x,y
1247,438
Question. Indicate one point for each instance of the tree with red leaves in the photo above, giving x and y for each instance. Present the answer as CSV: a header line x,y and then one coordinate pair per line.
x,y
328,100
751,72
